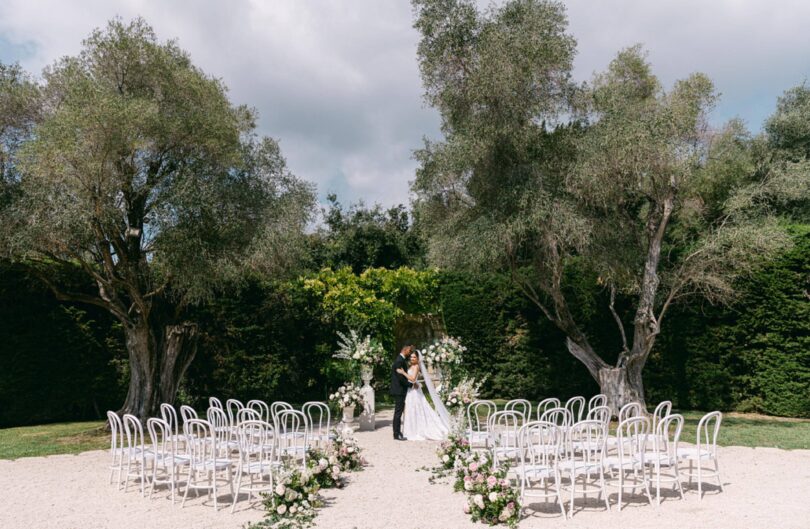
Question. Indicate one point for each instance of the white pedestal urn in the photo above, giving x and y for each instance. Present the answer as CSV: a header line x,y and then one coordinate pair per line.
x,y
348,414
367,416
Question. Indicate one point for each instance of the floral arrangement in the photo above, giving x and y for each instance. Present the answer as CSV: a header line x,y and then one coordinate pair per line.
x,y
345,449
347,395
325,468
490,496
366,351
442,352
464,393
456,447
293,501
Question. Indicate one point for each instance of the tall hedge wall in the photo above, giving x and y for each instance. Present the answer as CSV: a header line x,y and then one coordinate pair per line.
x,y
272,341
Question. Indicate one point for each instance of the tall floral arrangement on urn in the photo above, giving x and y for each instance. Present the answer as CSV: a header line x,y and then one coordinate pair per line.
x,y
441,356
347,397
367,353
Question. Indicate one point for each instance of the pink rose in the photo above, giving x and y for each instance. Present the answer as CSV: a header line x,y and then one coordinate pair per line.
x,y
466,508
473,467
492,481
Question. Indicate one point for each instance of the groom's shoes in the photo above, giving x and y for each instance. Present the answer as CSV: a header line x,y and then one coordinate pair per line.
x,y
400,438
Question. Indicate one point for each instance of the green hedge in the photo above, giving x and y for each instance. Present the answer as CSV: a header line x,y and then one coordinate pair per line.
x,y
274,341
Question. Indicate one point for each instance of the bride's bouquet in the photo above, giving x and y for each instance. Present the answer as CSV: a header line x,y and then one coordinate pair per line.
x,y
442,352
347,395
366,351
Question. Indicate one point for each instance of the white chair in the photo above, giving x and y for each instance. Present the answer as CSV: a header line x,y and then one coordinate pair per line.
x,y
204,465
255,459
704,451
232,407
276,408
583,459
262,407
187,413
319,419
246,414
547,404
221,424
522,406
503,429
665,454
628,411
292,439
663,409
560,416
214,402
136,453
169,414
117,450
576,405
539,444
599,413
629,462
597,401
478,414
166,457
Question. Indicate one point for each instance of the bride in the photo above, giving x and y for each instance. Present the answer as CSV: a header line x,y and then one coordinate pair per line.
x,y
422,422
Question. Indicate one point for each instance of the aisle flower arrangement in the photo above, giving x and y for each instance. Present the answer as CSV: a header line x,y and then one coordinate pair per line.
x,y
454,449
366,351
325,468
443,352
491,498
293,501
346,450
347,395
464,393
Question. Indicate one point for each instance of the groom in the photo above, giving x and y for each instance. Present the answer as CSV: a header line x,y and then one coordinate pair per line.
x,y
399,388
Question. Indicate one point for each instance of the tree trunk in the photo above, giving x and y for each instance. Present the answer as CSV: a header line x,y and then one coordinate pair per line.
x,y
622,385
159,355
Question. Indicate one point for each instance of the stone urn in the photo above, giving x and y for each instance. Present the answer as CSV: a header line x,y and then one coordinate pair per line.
x,y
367,416
348,414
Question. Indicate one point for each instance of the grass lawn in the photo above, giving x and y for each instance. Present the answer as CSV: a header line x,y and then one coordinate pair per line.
x,y
49,439
71,438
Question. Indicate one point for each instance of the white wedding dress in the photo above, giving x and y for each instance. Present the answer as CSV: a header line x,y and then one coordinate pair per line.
x,y
421,421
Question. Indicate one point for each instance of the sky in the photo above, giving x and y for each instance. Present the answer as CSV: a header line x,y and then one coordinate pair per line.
x,y
337,82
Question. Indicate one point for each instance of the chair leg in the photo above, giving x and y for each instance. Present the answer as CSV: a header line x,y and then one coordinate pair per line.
x,y
188,486
238,487
700,479
717,473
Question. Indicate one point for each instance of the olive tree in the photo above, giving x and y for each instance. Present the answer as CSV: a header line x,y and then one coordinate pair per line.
x,y
618,177
139,171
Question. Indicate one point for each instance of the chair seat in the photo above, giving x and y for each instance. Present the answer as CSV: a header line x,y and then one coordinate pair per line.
x,y
692,453
663,460
613,462
257,468
535,471
172,459
213,464
477,437
579,467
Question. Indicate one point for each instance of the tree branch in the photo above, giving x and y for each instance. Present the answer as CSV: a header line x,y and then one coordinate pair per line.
x,y
617,318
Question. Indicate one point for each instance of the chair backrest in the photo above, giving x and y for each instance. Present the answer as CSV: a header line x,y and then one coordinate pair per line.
x,y
134,434
221,426
163,440
116,431
663,409
586,441
262,407
668,435
169,414
599,413
318,416
597,401
539,443
232,407
247,414
707,430
629,410
188,413
478,414
214,402
632,439
576,405
293,435
200,441
522,406
547,404
560,416
256,441
503,428
276,408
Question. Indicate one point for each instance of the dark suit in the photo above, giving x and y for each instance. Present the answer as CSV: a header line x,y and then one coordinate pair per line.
x,y
399,388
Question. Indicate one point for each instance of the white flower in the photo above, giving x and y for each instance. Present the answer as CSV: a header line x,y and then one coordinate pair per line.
x,y
468,485
479,501
280,490
293,509
493,496
446,458
281,509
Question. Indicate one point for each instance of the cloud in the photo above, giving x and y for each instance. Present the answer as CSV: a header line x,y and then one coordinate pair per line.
x,y
336,81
